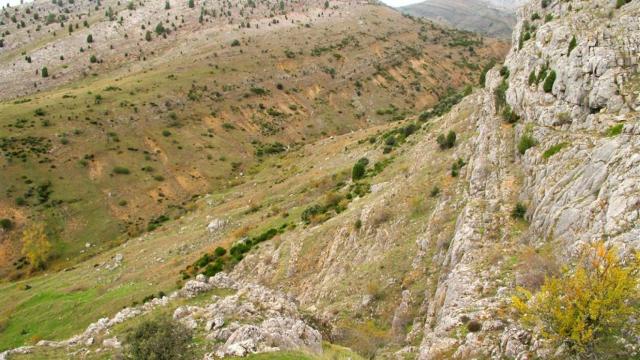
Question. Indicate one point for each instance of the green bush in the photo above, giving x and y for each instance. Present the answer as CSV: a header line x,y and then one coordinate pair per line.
x,y
160,339
44,72
519,211
615,130
620,3
526,142
6,224
448,141
93,59
548,82
359,169
219,251
120,170
235,42
572,45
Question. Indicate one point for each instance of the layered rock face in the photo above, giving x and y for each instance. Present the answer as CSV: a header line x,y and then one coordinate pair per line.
x,y
580,180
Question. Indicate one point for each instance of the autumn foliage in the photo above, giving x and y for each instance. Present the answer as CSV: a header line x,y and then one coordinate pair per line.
x,y
590,308
36,246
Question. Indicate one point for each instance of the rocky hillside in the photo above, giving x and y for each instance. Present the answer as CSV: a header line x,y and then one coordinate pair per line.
x,y
146,105
406,240
471,15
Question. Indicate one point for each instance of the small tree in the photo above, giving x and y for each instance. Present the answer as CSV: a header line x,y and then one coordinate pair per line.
x,y
93,59
45,72
89,38
589,308
191,4
36,246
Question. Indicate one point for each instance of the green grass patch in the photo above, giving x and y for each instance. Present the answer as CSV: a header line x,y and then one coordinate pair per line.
x,y
554,149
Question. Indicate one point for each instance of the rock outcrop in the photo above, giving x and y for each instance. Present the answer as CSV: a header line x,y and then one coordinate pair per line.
x,y
253,319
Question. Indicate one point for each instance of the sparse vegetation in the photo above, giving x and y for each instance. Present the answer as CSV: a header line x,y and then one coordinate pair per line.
x,y
554,149
614,130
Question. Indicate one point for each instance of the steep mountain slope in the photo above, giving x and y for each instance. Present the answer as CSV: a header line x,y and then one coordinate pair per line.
x,y
471,15
126,130
419,256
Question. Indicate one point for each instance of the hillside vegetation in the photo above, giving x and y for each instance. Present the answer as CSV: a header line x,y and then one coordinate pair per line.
x,y
147,105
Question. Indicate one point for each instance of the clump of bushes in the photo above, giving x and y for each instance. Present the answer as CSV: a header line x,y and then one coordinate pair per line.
x,y
456,166
509,115
445,104
269,149
161,338
447,141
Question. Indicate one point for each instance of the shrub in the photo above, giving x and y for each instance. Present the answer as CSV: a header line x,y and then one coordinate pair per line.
x,y
191,4
587,309
620,3
36,246
448,141
572,45
548,82
219,251
519,211
434,191
509,115
39,112
456,166
6,224
235,42
166,133
44,72
310,212
615,130
552,150
359,169
120,170
532,77
93,59
526,142
162,339
147,36
474,326
89,38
